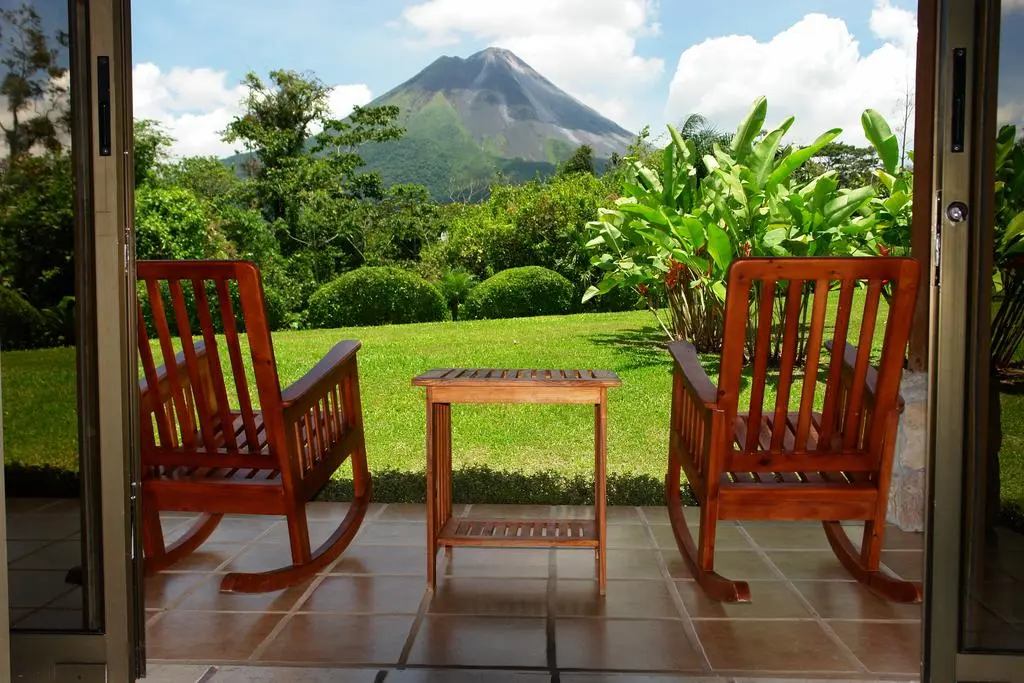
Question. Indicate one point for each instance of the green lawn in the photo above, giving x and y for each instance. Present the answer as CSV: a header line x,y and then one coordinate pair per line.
x,y
39,395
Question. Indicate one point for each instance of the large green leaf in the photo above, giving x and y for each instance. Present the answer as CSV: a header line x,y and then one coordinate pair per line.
x,y
719,246
840,209
1014,230
762,160
749,129
881,137
799,157
654,216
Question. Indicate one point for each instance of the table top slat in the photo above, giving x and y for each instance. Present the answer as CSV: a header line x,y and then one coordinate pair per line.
x,y
494,377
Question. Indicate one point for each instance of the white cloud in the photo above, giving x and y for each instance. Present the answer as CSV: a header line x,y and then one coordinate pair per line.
x,y
814,70
1012,5
1011,113
586,47
196,105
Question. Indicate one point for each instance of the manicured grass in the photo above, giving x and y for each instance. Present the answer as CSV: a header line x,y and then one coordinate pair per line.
x,y
39,396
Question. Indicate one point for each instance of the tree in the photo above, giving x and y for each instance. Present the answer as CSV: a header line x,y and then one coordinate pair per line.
x,y
854,166
152,147
33,83
207,177
306,183
581,161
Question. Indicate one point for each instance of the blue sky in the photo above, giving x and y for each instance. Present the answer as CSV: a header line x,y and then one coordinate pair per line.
x,y
823,61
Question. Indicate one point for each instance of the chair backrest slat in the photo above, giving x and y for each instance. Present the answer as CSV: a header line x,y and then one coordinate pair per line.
x,y
813,355
791,324
194,411
832,406
226,421
786,309
766,306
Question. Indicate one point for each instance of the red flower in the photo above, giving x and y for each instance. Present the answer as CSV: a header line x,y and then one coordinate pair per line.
x,y
643,289
884,250
746,248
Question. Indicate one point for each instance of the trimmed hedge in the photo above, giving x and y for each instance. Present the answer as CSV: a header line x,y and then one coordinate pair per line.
x,y
519,293
376,295
21,325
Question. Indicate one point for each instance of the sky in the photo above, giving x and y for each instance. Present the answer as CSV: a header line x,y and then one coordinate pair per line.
x,y
635,61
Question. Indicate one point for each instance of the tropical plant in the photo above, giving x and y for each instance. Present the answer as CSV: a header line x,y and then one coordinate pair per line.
x,y
455,286
673,236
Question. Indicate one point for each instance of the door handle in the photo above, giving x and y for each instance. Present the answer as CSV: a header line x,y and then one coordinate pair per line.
x,y
103,103
959,114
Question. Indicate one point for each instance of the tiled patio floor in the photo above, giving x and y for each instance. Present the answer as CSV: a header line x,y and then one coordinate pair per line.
x,y
526,615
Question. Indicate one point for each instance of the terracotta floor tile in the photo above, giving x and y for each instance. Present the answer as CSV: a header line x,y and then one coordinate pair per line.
x,y
491,597
382,559
319,531
727,537
410,512
17,506
768,600
366,595
907,564
207,557
883,648
208,636
655,514
480,641
259,557
524,563
641,645
809,565
340,638
207,597
393,533
770,646
783,536
736,565
622,564
466,676
894,538
164,589
288,674
850,600
17,550
176,673
623,598
623,514
628,536
242,528
323,510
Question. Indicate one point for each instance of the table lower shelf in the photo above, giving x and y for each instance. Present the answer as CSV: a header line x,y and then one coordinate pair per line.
x,y
517,532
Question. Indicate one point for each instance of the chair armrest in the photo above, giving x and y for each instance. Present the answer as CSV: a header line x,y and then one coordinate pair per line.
x,y
870,379
695,379
180,369
320,376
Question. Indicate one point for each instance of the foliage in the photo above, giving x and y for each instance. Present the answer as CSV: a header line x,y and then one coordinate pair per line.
x,y
893,208
854,166
21,325
396,228
455,286
376,295
519,293
33,87
208,178
171,223
581,161
674,235
37,228
151,146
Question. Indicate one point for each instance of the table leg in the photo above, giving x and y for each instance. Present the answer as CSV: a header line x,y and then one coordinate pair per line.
x,y
443,440
600,476
431,498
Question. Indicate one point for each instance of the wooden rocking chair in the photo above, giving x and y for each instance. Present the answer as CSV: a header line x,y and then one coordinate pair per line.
x,y
206,449
829,460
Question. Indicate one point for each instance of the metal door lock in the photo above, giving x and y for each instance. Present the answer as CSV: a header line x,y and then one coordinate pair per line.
x,y
956,212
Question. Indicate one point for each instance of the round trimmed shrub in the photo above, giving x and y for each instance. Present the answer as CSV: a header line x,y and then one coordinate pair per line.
x,y
519,293
376,295
21,325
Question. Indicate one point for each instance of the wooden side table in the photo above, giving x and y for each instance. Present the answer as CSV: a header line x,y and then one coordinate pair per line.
x,y
461,385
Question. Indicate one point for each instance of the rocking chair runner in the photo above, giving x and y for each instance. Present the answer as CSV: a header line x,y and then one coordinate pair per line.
x,y
773,464
206,449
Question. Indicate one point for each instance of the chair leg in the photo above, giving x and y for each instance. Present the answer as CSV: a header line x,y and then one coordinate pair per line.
x,y
864,565
159,557
328,552
700,565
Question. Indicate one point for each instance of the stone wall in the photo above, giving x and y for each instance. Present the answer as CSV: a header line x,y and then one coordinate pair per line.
x,y
907,489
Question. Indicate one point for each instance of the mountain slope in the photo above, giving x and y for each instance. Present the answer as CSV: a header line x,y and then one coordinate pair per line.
x,y
467,119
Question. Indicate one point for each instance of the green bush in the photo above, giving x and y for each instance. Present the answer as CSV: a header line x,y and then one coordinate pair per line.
x,y
376,295
519,293
21,325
